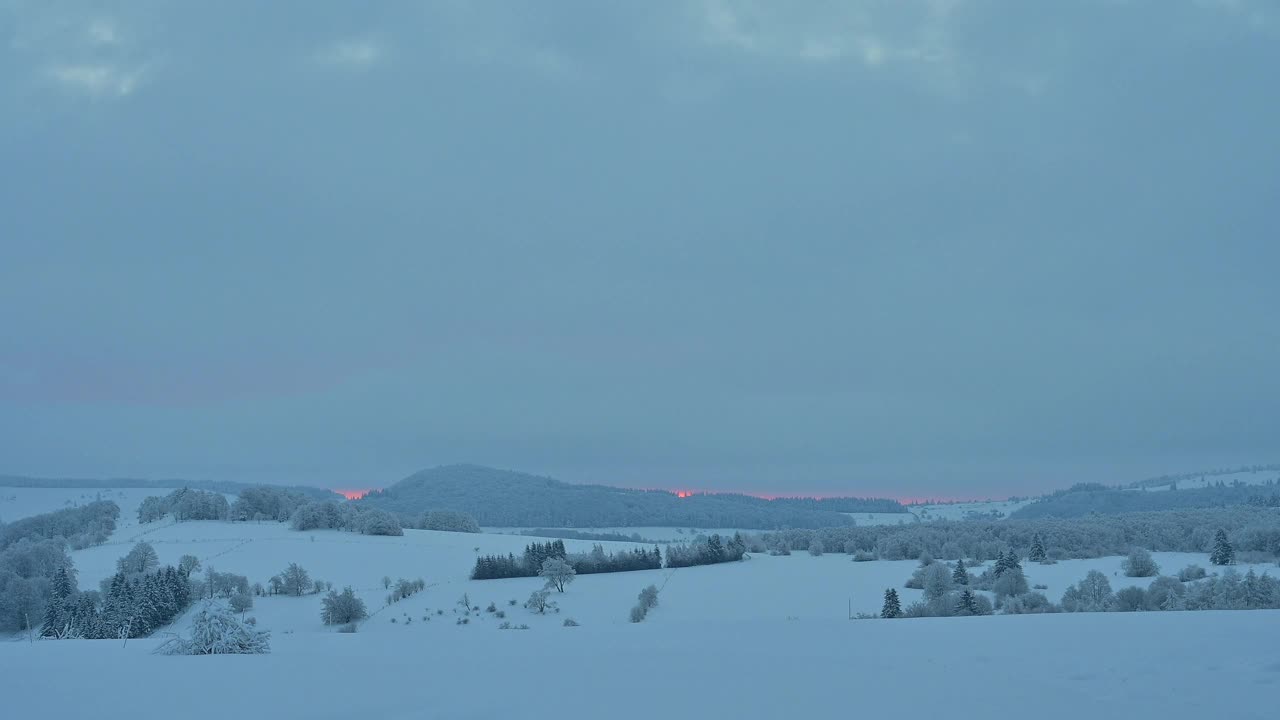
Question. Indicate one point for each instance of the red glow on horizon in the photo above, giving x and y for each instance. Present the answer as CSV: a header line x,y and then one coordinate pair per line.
x,y
684,493
907,501
353,494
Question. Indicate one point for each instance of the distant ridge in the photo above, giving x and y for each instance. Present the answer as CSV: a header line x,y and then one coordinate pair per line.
x,y
507,498
223,486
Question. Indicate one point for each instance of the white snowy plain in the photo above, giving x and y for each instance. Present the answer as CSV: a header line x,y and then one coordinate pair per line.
x,y
765,638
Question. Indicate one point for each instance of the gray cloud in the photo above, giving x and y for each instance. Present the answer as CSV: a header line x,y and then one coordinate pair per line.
x,y
912,248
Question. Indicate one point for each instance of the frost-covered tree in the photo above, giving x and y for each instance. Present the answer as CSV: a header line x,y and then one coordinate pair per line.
x,y
538,601
1011,583
1037,553
816,547
892,606
557,573
340,608
1223,553
1092,594
295,580
188,564
215,631
960,576
937,581
241,602
380,522
141,559
1140,564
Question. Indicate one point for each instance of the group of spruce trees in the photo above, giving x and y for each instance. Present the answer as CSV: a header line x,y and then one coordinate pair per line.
x,y
706,551
131,606
529,564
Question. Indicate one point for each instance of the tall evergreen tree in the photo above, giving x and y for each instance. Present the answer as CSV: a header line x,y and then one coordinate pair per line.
x,y
960,576
1037,553
1223,553
57,613
892,607
965,604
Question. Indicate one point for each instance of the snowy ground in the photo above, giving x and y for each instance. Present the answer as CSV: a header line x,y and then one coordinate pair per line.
x,y
1051,667
1248,477
765,638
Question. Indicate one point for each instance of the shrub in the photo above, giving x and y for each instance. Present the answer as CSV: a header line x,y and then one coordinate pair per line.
x,y
649,597
863,556
342,608
638,613
1130,599
215,631
570,622
1140,564
1192,572
816,548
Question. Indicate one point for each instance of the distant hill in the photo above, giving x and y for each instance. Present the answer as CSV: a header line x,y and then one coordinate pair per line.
x,y
504,498
221,486
1086,499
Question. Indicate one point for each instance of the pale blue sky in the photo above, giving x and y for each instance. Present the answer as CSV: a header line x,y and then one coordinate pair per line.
x,y
947,248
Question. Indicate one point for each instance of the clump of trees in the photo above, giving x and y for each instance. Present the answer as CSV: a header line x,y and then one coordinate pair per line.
x,y
129,606
295,580
80,527
267,503
185,504
328,515
404,588
529,564
706,551
342,608
448,521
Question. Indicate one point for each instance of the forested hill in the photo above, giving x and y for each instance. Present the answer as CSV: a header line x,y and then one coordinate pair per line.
x,y
504,498
222,486
1082,500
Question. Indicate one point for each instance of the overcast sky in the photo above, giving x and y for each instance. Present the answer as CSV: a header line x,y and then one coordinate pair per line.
x,y
955,248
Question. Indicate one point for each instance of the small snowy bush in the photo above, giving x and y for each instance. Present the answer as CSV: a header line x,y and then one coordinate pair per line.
x,y
570,622
215,631
1140,564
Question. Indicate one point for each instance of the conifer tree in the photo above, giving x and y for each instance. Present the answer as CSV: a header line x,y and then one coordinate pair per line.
x,y
1223,553
1037,553
892,607
965,604
961,575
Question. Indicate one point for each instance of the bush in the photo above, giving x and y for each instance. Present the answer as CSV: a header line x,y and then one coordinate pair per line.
x,y
1192,572
1140,564
342,608
241,602
570,622
638,613
863,556
1092,594
816,548
215,631
349,628
1032,603
649,597
1130,599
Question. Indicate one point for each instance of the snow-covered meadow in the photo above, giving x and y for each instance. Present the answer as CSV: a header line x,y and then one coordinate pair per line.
x,y
768,637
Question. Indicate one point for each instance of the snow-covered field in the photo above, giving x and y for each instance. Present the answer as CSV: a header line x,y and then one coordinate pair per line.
x,y
1247,477
765,638
1143,665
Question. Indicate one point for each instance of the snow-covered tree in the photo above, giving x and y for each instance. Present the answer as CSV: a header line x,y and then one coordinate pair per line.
x,y
960,576
340,608
141,559
1037,553
215,631
816,548
965,604
892,606
937,581
1092,594
557,573
538,601
188,564
1011,583
1223,553
295,580
241,602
